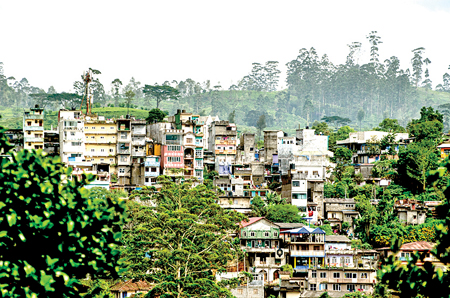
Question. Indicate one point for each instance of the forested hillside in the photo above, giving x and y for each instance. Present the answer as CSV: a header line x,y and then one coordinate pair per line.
x,y
362,95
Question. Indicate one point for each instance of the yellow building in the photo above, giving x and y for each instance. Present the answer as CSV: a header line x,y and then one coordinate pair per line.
x,y
100,143
33,128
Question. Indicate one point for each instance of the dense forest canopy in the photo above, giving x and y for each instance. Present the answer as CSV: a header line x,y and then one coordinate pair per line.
x,y
316,89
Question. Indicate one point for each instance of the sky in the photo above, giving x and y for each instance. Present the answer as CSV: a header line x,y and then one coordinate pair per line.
x,y
51,43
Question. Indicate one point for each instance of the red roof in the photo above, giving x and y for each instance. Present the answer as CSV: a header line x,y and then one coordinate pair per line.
x,y
418,246
129,285
250,221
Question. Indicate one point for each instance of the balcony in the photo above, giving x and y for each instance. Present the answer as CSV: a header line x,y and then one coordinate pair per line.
x,y
99,141
151,174
307,253
124,163
124,151
242,171
33,128
152,164
139,153
26,117
138,142
173,142
33,139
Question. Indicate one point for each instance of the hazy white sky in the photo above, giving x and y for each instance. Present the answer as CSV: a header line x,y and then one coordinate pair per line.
x,y
52,42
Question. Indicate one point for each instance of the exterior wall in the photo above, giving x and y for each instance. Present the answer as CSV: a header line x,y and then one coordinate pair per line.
x,y
33,129
340,280
271,144
166,153
71,136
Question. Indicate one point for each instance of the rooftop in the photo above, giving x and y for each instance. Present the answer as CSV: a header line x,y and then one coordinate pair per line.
x,y
290,225
129,285
337,238
251,220
418,245
339,200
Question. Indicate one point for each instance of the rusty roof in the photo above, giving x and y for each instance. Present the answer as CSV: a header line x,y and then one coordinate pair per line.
x,y
131,285
250,221
418,246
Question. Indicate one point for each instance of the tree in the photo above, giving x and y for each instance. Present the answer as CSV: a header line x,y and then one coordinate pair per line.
x,y
129,97
232,116
116,91
428,280
360,117
283,213
155,115
429,127
261,124
417,62
390,125
161,92
53,233
368,217
177,238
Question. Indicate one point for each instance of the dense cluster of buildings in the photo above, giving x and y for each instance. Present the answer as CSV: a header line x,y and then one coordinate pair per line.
x,y
129,153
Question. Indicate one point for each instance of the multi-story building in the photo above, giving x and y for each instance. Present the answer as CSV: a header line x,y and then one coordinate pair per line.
x,y
138,151
172,152
222,140
306,248
271,145
206,122
260,238
15,138
123,151
361,142
410,212
33,128
338,211
101,146
152,162
245,153
72,138
51,142
237,203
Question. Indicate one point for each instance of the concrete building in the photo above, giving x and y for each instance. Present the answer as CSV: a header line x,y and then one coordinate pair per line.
x,y
360,142
51,142
410,212
33,128
138,151
260,238
338,211
15,138
271,145
172,152
72,138
206,121
237,203
245,153
123,151
222,140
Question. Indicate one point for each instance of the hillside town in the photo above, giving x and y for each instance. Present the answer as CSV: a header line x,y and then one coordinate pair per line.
x,y
285,259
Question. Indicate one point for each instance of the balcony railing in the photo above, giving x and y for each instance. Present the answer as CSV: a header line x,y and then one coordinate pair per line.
x,y
33,128
152,164
32,139
307,253
33,116
173,142
151,174
139,153
138,142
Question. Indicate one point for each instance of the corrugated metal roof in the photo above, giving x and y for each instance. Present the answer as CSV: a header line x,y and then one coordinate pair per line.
x,y
418,245
129,285
337,238
250,221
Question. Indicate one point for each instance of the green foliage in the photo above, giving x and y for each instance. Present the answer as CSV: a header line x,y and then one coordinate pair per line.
x,y
155,115
53,233
288,268
161,93
258,207
390,125
324,295
182,236
429,127
283,213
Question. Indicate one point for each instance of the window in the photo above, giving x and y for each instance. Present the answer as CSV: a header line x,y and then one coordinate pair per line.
x,y
29,132
121,170
92,127
266,234
198,152
313,273
315,173
87,127
111,127
218,138
173,148
102,127
111,159
312,287
92,150
351,288
230,148
255,291
92,137
336,287
102,137
323,287
147,180
363,287
76,143
29,123
350,275
244,234
295,183
323,275
347,260
363,275
275,234
336,275
102,159
173,159
72,133
240,291
252,234
123,158
189,140
123,135
102,150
